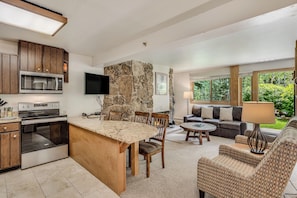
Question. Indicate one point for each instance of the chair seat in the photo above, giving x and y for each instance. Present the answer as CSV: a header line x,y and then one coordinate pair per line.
x,y
148,147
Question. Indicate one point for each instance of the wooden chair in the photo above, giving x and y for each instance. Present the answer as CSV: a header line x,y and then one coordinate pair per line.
x,y
141,117
115,115
155,144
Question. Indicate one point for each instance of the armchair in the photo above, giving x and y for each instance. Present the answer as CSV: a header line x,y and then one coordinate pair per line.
x,y
235,173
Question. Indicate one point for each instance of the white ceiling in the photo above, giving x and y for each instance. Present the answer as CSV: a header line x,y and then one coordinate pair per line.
x,y
185,35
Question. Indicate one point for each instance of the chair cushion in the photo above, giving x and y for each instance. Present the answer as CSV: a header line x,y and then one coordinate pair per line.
x,y
148,147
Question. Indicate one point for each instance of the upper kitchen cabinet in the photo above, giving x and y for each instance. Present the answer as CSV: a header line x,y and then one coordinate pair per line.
x,y
53,59
9,80
41,58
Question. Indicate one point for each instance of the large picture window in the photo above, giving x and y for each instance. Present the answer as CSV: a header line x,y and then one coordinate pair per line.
x,y
213,91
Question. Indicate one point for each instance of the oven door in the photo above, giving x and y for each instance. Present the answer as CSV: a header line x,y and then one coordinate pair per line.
x,y
43,142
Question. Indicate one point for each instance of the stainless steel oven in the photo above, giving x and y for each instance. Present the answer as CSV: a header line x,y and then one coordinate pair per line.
x,y
44,133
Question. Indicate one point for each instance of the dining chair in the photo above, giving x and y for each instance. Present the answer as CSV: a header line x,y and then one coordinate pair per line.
x,y
115,115
141,117
155,144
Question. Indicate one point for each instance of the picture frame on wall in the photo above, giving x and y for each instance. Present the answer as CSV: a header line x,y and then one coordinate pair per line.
x,y
161,83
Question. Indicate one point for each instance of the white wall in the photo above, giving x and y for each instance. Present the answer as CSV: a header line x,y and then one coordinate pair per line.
x,y
181,84
182,81
161,102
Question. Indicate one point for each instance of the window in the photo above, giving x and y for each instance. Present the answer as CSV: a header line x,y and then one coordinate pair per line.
x,y
220,89
277,87
201,90
216,90
246,91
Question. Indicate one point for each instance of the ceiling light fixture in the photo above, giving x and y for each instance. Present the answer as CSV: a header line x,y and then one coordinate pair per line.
x,y
30,16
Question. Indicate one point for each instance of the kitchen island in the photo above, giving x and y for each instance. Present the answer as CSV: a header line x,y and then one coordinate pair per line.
x,y
100,147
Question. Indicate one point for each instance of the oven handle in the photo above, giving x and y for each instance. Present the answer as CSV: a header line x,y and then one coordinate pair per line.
x,y
43,120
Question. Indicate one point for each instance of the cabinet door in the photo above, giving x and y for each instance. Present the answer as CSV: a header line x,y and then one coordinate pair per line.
x,y
15,148
5,150
9,81
53,59
30,56
46,61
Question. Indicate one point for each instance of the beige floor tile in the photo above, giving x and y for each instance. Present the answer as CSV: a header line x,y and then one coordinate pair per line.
x,y
55,185
2,185
69,192
32,192
100,193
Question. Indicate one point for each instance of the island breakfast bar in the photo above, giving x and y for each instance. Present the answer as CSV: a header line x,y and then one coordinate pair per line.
x,y
100,147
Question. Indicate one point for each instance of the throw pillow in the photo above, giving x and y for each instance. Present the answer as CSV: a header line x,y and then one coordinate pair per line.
x,y
226,114
207,112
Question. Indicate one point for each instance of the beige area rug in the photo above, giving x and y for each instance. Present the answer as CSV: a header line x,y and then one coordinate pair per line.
x,y
179,178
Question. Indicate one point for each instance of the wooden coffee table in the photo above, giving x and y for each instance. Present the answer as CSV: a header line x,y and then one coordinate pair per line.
x,y
197,127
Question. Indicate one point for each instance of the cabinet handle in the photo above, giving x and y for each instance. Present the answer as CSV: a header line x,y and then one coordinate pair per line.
x,y
14,136
38,69
4,128
46,70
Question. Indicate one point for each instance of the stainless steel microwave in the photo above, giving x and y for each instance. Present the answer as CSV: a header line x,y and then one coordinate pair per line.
x,y
35,82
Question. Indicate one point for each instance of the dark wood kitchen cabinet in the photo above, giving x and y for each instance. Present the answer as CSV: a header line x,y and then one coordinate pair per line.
x,y
40,58
9,78
10,149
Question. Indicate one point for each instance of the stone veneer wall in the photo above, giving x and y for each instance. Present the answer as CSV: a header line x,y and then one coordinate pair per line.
x,y
131,88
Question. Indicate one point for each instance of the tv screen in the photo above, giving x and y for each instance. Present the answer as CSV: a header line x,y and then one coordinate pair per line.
x,y
96,84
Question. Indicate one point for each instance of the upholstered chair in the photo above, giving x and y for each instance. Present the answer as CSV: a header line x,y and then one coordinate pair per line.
x,y
155,144
235,173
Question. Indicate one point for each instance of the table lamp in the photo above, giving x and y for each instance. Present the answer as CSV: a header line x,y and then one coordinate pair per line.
x,y
258,113
188,95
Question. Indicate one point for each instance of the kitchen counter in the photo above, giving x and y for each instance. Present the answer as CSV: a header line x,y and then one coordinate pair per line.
x,y
100,147
117,130
9,120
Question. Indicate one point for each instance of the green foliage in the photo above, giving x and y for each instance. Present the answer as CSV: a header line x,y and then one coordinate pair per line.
x,y
287,101
246,88
271,93
220,89
202,90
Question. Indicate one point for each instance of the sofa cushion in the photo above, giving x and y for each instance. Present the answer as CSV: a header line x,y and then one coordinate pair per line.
x,y
216,112
237,113
194,119
226,114
212,121
196,110
207,112
235,125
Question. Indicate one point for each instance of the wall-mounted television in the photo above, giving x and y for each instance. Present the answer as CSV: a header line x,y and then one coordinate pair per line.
x,y
96,84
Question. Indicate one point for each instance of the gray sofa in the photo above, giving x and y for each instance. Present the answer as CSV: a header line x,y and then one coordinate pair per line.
x,y
225,128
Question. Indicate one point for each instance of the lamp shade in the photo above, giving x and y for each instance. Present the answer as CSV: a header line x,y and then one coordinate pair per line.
x,y
188,94
258,112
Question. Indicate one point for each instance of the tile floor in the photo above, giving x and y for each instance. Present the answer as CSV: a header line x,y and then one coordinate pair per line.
x,y
62,178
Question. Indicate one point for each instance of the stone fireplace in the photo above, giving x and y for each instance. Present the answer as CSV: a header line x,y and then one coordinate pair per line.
x,y
131,88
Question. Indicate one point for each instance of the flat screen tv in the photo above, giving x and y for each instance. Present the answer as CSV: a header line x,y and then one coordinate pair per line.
x,y
96,84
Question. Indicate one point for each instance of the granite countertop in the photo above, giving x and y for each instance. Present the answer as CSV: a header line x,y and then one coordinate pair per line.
x,y
10,120
123,131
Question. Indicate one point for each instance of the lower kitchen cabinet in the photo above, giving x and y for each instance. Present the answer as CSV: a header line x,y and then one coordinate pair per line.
x,y
9,145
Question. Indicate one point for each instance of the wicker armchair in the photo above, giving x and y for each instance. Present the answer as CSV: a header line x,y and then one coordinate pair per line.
x,y
236,173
